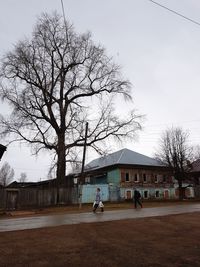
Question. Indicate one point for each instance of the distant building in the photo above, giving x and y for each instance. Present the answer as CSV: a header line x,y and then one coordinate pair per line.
x,y
194,177
195,171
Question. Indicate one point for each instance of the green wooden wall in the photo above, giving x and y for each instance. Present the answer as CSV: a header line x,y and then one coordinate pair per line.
x,y
113,177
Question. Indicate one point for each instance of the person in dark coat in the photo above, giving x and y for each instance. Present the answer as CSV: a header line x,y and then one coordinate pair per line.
x,y
137,198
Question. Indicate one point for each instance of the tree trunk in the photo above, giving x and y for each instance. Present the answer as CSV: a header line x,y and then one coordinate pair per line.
x,y
60,164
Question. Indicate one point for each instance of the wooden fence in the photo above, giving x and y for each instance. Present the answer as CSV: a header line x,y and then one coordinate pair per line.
x,y
20,198
2,198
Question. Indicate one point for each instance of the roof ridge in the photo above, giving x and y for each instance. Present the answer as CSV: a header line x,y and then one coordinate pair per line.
x,y
122,152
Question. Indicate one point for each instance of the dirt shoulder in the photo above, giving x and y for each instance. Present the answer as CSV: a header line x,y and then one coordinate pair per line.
x,y
150,242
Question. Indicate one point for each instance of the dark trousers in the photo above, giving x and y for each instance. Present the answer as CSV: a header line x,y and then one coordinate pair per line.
x,y
96,206
137,201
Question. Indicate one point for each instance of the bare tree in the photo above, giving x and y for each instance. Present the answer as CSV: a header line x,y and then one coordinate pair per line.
x,y
23,177
6,174
175,152
56,82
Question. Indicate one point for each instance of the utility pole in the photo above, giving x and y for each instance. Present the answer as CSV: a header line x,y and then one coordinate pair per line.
x,y
81,179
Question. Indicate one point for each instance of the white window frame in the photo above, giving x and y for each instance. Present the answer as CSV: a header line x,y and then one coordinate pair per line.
x,y
75,180
128,190
158,193
87,179
138,178
144,174
164,175
156,178
160,178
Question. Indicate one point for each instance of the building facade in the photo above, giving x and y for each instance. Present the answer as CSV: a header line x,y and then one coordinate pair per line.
x,y
125,170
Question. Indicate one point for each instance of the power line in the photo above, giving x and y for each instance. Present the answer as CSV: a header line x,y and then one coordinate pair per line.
x,y
175,12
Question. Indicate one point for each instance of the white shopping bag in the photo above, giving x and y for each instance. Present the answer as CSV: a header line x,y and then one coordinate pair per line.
x,y
101,205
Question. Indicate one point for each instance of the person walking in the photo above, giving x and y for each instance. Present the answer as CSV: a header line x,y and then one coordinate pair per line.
x,y
98,201
137,198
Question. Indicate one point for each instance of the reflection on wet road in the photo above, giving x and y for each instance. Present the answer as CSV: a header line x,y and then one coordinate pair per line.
x,y
64,219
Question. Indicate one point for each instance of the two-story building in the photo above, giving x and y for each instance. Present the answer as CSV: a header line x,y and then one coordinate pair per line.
x,y
125,170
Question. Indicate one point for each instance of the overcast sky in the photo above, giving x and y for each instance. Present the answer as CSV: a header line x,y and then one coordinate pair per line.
x,y
159,53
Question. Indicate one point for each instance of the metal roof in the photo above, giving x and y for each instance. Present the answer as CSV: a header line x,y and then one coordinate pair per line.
x,y
125,157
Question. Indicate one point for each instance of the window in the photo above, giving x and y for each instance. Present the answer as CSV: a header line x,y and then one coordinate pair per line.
x,y
156,178
188,193
127,177
136,177
128,194
173,179
157,195
146,194
166,194
164,179
87,180
144,178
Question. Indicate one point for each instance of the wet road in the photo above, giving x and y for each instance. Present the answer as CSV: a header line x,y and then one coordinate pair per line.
x,y
14,224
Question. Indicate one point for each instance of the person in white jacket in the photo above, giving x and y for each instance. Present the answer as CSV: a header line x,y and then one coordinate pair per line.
x,y
98,201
